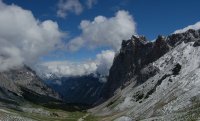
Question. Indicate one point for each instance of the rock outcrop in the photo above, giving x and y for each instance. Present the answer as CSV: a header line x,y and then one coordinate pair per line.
x,y
132,63
23,83
135,54
161,82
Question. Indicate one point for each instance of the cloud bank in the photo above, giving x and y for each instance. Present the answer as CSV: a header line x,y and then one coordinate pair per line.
x,y
196,26
23,38
66,68
101,65
104,32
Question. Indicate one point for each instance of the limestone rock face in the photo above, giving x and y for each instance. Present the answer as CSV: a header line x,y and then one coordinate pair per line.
x,y
161,83
134,55
137,53
24,83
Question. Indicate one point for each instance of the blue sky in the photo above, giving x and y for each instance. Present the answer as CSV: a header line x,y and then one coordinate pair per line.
x,y
151,18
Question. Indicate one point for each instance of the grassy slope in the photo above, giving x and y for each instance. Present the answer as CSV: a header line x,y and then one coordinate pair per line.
x,y
52,115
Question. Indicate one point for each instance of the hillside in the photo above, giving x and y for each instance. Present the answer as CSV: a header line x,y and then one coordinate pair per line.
x,y
160,80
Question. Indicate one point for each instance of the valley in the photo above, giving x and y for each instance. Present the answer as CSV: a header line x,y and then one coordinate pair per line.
x,y
165,87
99,60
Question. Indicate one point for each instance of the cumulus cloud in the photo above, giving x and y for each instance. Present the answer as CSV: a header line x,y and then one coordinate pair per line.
x,y
104,61
23,38
104,32
196,26
66,6
101,65
101,32
90,3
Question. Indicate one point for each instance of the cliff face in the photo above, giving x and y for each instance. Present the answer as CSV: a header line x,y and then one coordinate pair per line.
x,y
134,55
160,83
133,62
23,83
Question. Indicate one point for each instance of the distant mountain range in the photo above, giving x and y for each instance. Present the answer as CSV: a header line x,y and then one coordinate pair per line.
x,y
80,89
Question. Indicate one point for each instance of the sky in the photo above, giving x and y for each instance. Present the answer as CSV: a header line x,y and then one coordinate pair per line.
x,y
77,37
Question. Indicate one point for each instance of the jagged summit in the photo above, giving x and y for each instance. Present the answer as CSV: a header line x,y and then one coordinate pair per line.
x,y
155,80
134,55
188,36
137,53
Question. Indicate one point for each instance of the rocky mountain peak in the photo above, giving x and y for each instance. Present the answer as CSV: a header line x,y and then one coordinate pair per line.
x,y
24,83
188,36
136,55
155,81
160,39
135,41
139,40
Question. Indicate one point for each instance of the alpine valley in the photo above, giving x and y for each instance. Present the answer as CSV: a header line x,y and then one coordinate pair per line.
x,y
149,80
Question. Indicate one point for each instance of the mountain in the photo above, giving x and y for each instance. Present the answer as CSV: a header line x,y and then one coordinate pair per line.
x,y
25,97
132,61
85,90
148,81
21,84
154,80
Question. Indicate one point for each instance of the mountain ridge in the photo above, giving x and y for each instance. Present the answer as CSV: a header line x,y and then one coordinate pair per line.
x,y
138,52
158,89
148,81
22,83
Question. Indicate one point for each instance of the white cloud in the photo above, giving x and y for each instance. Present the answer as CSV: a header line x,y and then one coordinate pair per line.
x,y
104,61
66,68
101,64
196,26
23,38
90,3
104,32
66,6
